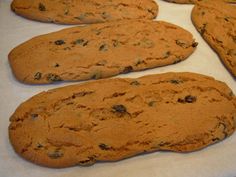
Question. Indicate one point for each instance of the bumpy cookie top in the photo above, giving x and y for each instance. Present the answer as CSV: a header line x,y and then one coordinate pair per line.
x,y
216,21
100,50
84,11
112,119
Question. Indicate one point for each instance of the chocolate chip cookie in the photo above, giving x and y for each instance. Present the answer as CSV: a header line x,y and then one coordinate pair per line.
x,y
84,11
112,119
216,21
100,51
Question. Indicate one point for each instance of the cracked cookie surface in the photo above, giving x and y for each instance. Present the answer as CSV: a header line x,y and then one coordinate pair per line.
x,y
216,22
112,119
100,51
84,11
195,1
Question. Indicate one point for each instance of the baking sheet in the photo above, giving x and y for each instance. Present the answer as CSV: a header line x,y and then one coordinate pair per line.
x,y
218,160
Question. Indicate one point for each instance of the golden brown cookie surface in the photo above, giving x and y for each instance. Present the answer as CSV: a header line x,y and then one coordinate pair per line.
x,y
112,119
216,21
84,11
100,50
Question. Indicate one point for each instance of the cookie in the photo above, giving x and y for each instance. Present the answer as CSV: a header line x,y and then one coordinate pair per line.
x,y
194,1
112,119
216,21
100,51
84,11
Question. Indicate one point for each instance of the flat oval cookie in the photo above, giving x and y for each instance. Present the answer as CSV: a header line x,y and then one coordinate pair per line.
x,y
100,50
216,21
195,1
112,119
84,11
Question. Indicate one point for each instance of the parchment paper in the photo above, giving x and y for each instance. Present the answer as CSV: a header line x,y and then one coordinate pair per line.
x,y
218,160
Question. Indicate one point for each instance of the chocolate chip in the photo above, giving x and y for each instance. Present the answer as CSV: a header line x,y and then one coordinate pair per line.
x,y
127,69
59,42
37,76
119,108
104,147
41,7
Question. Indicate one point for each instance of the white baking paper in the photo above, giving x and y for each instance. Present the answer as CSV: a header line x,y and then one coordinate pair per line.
x,y
218,160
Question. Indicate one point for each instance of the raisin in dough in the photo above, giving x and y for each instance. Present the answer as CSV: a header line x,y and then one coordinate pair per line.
x,y
112,119
84,11
216,21
100,50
